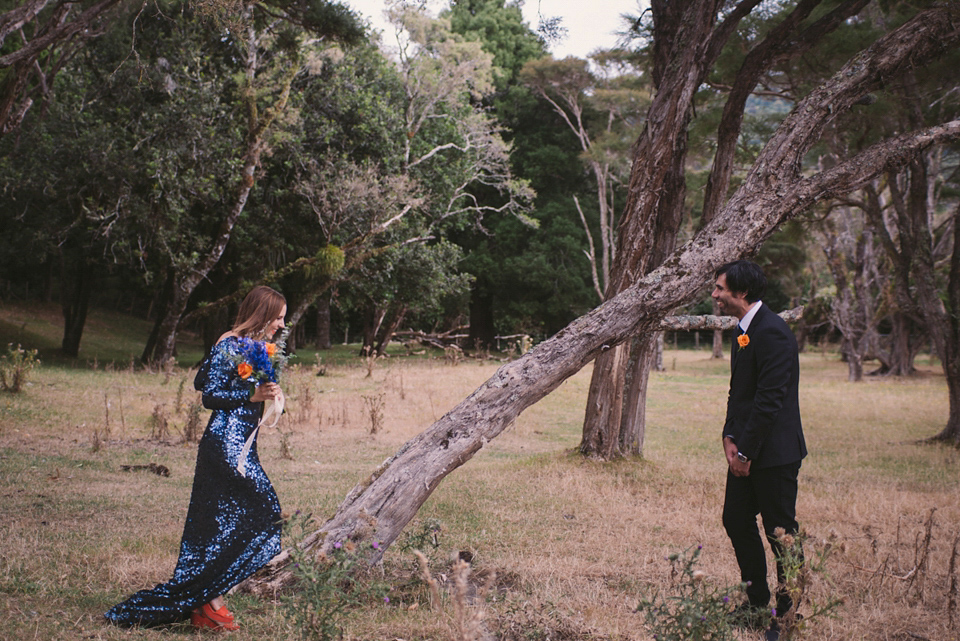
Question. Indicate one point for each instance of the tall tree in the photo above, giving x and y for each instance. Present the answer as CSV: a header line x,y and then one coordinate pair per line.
x,y
615,102
687,38
917,241
452,148
775,190
852,258
526,280
271,42
37,39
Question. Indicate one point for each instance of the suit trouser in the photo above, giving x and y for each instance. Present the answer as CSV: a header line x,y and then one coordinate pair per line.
x,y
772,493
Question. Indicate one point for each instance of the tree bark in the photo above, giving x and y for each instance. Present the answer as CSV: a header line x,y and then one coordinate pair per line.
x,y
648,227
323,323
482,329
951,366
773,191
633,424
76,283
372,321
389,329
897,359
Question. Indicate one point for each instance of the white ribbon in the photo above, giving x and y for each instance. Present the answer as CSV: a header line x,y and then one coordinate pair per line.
x,y
272,410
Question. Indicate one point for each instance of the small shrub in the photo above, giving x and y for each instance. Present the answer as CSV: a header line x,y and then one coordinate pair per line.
x,y
696,611
96,441
425,539
286,452
329,587
159,423
374,404
320,369
370,359
799,573
193,428
306,403
15,367
178,404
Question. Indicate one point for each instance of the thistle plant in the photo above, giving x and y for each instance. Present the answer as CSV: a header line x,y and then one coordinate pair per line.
x,y
696,610
799,571
329,586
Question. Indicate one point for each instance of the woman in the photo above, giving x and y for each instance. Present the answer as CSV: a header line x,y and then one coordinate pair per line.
x,y
233,523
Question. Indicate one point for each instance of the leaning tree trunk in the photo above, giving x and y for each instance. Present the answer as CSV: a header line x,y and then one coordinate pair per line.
x,y
773,191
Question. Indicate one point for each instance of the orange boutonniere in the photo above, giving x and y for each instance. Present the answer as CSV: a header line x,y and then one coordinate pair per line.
x,y
743,340
271,349
244,370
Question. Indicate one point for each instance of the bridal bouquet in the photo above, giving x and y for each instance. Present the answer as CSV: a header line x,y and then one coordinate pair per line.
x,y
261,362
257,361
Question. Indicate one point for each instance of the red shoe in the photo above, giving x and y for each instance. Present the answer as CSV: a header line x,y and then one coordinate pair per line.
x,y
206,617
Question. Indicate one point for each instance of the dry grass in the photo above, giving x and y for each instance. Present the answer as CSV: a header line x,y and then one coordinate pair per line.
x,y
572,543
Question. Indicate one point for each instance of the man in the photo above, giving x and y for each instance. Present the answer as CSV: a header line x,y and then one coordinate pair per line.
x,y
762,437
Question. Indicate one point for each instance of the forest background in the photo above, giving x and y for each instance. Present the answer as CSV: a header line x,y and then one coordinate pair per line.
x,y
449,179
454,186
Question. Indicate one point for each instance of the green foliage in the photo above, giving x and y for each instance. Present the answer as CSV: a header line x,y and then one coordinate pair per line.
x,y
427,538
499,26
799,571
327,262
696,611
15,367
329,587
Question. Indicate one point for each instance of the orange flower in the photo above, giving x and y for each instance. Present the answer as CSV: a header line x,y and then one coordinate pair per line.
x,y
743,340
271,349
244,370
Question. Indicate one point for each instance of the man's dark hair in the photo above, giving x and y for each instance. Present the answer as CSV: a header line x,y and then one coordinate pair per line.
x,y
744,276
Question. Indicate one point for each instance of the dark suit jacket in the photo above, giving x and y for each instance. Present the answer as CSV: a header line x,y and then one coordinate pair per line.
x,y
763,410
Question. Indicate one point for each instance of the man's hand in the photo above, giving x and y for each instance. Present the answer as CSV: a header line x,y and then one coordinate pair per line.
x,y
737,467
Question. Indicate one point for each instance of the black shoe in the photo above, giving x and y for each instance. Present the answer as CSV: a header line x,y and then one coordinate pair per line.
x,y
773,632
749,616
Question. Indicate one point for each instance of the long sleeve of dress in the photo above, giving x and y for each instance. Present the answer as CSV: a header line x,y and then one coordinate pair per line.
x,y
217,380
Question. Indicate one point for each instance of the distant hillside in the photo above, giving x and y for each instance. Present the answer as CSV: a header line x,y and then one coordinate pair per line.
x,y
107,337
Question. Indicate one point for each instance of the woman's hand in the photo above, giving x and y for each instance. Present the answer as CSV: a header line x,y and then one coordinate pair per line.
x,y
266,392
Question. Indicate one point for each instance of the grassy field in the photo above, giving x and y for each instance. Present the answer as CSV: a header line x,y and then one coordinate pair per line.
x,y
575,544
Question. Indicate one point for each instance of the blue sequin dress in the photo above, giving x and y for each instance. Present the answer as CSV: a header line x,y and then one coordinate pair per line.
x,y
233,523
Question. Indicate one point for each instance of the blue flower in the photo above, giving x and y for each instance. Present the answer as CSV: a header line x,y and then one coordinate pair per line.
x,y
255,354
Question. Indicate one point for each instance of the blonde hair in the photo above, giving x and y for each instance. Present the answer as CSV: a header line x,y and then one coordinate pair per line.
x,y
258,309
